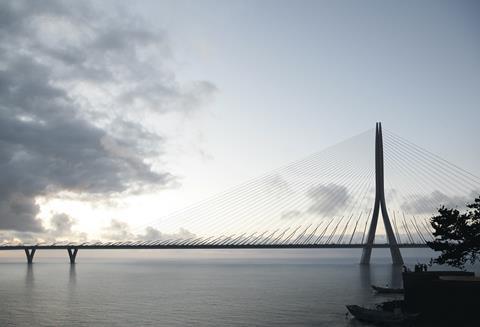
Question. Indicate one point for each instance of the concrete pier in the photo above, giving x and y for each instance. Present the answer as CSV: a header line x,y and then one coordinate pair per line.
x,y
72,254
30,253
380,205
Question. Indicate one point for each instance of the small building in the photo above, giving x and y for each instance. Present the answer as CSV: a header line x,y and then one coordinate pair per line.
x,y
444,297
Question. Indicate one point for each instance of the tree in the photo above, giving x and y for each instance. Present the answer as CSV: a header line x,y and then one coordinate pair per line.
x,y
457,235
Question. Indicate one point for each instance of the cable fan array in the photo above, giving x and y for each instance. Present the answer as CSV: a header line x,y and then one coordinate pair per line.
x,y
327,199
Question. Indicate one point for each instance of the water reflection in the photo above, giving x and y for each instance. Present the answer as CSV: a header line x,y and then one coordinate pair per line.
x,y
245,294
29,276
369,275
396,276
365,274
72,276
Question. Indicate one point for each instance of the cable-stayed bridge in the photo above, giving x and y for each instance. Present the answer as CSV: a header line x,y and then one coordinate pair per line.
x,y
332,199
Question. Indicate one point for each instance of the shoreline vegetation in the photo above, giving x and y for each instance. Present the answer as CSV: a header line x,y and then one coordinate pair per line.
x,y
439,298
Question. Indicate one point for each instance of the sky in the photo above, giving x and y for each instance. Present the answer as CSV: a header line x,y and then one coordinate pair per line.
x,y
117,113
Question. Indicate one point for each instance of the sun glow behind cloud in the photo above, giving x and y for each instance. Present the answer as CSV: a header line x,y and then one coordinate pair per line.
x,y
87,100
99,107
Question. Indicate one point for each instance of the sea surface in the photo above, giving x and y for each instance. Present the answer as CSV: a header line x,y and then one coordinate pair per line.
x,y
298,287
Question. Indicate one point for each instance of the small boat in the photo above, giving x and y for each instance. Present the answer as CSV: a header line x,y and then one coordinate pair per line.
x,y
379,316
388,290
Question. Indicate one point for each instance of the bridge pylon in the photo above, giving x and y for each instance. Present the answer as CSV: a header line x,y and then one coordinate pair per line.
x,y
380,205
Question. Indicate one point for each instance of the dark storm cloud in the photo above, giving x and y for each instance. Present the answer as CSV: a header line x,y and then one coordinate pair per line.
x,y
73,82
328,199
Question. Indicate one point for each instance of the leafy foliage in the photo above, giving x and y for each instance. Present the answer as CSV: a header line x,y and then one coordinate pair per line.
x,y
457,235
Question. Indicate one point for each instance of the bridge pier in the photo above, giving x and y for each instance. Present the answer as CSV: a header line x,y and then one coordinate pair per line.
x,y
380,205
72,254
30,252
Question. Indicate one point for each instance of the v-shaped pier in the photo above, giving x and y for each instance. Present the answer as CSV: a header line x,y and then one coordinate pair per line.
x,y
380,205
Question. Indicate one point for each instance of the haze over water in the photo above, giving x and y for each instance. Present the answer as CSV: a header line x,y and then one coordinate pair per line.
x,y
132,121
193,287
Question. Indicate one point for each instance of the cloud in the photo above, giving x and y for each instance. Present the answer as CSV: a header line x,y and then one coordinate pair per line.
x,y
62,223
120,231
17,211
154,234
278,186
76,87
60,229
291,214
429,203
328,199
324,200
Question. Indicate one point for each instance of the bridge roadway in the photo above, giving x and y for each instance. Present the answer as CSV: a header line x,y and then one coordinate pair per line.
x,y
207,246
72,249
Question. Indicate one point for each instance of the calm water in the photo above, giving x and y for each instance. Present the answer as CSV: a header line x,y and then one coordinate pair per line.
x,y
192,288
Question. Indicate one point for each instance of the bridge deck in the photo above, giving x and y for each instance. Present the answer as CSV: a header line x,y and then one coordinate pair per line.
x,y
72,249
173,246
